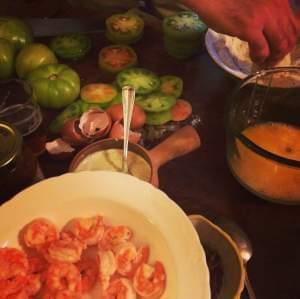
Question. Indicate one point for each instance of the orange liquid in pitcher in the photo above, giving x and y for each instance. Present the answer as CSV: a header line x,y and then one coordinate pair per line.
x,y
267,177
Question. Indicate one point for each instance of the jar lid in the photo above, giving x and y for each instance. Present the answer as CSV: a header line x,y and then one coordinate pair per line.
x,y
10,143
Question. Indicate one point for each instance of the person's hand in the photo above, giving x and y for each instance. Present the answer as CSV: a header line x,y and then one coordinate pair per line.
x,y
270,27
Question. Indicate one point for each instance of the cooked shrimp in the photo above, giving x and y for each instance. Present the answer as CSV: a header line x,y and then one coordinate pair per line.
x,y
88,230
12,285
13,262
107,267
39,232
33,284
66,249
120,288
13,270
114,236
20,295
149,281
89,273
61,295
128,258
63,277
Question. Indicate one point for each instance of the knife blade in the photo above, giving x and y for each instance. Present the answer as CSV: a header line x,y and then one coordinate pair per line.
x,y
43,27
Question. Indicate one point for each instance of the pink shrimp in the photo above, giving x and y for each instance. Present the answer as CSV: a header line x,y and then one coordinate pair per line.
x,y
107,267
149,281
37,264
89,273
120,288
66,249
12,285
13,262
114,236
39,232
61,295
13,270
128,258
20,295
88,230
63,277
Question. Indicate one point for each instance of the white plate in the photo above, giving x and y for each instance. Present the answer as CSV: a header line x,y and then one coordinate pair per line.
x,y
231,54
122,199
216,46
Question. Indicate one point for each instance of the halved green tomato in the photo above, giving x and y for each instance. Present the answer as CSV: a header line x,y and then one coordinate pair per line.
x,y
116,58
71,46
158,118
144,81
157,102
99,93
185,25
124,28
171,85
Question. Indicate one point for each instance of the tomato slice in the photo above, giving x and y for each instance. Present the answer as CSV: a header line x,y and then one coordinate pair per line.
x,y
116,58
171,85
181,110
157,102
144,81
124,28
100,93
158,118
184,25
71,46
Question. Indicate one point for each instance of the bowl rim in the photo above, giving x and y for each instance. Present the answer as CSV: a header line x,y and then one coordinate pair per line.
x,y
227,237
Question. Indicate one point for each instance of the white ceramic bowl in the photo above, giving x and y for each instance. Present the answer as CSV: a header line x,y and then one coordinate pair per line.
x,y
122,199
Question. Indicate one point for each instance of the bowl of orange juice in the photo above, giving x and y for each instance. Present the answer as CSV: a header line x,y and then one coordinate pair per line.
x,y
263,134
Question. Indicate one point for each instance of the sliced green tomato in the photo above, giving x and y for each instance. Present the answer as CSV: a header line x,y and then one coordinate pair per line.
x,y
99,93
158,118
144,81
184,25
116,58
157,102
124,28
171,85
71,46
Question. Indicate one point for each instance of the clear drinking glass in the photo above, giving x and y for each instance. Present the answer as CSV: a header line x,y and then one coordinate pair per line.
x,y
263,134
17,108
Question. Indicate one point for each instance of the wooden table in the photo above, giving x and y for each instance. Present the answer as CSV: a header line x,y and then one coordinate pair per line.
x,y
201,181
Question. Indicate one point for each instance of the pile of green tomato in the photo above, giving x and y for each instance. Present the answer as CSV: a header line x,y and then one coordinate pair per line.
x,y
56,85
53,85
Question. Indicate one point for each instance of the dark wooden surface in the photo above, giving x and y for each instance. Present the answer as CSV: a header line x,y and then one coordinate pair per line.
x,y
201,182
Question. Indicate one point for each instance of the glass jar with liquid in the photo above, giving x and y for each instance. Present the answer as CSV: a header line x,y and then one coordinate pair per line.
x,y
263,134
18,164
17,109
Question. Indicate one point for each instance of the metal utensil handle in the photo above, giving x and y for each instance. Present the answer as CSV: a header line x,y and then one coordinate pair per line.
x,y
249,286
128,97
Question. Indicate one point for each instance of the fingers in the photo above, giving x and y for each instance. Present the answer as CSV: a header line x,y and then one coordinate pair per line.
x,y
279,43
259,48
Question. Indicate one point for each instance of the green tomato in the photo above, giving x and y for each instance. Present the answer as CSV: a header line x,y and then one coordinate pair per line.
x,y
71,46
7,58
31,57
16,31
54,85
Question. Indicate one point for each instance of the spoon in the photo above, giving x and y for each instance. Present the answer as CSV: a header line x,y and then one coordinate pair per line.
x,y
243,243
128,97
